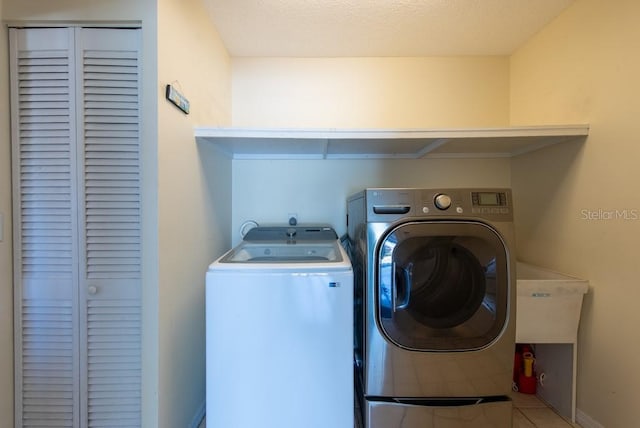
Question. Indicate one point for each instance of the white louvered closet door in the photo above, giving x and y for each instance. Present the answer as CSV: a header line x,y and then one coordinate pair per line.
x,y
75,136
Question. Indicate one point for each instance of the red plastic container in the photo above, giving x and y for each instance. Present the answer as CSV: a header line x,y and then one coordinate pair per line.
x,y
527,384
524,374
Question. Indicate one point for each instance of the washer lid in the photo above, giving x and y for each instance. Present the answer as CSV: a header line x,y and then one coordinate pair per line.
x,y
283,252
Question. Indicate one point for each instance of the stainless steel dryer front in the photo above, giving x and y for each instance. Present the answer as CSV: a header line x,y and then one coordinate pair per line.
x,y
434,276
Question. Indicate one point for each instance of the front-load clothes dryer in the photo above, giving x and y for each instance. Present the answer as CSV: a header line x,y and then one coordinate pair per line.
x,y
434,274
279,319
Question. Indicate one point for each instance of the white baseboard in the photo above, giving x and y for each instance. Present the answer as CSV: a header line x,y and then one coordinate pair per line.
x,y
586,421
199,416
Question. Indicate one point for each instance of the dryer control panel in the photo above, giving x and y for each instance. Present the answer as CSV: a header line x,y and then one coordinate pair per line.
x,y
388,204
490,204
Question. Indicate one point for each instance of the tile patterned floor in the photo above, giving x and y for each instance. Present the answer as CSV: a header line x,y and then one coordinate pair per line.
x,y
528,412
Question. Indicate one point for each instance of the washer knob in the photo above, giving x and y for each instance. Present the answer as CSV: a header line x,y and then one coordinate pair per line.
x,y
442,201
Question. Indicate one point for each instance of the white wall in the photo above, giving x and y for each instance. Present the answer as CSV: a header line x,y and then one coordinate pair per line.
x,y
371,92
194,200
77,10
317,190
436,92
584,67
6,274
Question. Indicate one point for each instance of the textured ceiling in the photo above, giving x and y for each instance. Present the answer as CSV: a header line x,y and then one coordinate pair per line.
x,y
321,28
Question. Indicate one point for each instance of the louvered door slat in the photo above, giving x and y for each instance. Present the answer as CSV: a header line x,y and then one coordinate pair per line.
x,y
114,362
47,364
111,218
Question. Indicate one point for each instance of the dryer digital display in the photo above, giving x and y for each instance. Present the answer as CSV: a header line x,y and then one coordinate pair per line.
x,y
494,199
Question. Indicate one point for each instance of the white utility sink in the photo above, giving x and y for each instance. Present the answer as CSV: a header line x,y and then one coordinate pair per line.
x,y
548,314
548,305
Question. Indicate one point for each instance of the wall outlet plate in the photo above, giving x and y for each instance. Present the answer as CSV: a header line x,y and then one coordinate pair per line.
x,y
177,99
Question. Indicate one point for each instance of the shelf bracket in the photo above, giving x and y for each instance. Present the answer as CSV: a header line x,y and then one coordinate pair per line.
x,y
325,148
431,147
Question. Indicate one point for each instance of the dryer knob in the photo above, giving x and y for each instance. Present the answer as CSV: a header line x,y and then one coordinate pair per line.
x,y
442,201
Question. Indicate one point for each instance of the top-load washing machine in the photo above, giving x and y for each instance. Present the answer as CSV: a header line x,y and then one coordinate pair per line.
x,y
434,278
279,318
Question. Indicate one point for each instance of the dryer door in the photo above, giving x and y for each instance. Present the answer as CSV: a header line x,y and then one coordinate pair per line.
x,y
442,285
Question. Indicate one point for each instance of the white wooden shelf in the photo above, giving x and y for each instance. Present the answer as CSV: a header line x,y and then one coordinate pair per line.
x,y
272,143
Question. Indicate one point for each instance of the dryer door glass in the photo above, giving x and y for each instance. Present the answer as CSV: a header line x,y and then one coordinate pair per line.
x,y
442,285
